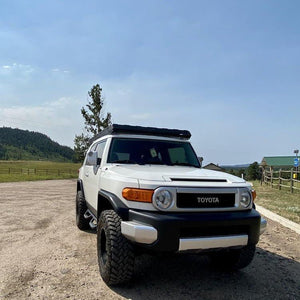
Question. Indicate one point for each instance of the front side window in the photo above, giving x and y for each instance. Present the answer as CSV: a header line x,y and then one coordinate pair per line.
x,y
146,151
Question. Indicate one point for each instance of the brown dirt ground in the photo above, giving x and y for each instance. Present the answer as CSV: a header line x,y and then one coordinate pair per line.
x,y
44,256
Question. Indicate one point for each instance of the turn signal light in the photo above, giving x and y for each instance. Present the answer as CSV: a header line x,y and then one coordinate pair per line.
x,y
139,195
253,192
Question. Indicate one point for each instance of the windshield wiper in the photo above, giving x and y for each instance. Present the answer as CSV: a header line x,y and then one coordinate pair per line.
x,y
154,163
183,164
123,161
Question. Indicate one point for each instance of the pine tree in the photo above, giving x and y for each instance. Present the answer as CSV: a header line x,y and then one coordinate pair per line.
x,y
81,145
253,172
94,121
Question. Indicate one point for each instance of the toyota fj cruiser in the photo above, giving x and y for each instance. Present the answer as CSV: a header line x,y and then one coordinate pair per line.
x,y
145,191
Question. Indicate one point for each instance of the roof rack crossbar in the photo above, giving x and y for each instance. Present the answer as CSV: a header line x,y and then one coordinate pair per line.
x,y
140,130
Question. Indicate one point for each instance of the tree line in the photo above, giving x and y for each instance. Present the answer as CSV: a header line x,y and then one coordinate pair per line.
x,y
253,172
17,144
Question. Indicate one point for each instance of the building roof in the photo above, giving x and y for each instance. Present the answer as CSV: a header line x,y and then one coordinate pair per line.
x,y
212,166
278,161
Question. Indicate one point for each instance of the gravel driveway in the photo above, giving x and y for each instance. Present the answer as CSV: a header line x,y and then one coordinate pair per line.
x,y
44,256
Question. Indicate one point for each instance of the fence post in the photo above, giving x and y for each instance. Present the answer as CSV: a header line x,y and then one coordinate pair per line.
x,y
279,179
271,175
292,181
8,170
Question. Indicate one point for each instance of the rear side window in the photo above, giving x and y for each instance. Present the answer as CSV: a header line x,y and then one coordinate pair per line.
x,y
100,148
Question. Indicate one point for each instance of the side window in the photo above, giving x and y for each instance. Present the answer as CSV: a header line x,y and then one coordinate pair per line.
x,y
86,161
100,148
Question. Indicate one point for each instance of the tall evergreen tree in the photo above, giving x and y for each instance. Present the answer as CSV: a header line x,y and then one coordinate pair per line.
x,y
81,144
94,120
253,171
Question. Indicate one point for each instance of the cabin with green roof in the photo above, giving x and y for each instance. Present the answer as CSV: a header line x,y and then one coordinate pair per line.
x,y
278,162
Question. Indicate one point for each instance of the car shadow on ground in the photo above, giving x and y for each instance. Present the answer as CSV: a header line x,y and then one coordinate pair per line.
x,y
91,231
190,276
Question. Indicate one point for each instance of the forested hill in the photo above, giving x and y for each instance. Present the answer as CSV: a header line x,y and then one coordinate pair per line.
x,y
17,144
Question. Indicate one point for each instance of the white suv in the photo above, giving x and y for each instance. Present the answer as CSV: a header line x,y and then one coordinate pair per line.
x,y
144,190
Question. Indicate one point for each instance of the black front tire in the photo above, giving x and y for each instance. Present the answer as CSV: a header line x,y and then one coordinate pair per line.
x,y
233,259
81,222
115,253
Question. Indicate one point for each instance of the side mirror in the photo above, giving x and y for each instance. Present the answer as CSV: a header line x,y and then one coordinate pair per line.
x,y
92,158
200,160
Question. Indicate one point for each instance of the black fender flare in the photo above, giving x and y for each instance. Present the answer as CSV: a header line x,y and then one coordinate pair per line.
x,y
118,206
80,186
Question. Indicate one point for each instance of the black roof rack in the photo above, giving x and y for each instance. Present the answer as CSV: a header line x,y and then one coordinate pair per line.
x,y
129,129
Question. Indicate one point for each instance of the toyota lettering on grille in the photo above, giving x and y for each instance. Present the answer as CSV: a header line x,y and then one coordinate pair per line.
x,y
205,200
214,200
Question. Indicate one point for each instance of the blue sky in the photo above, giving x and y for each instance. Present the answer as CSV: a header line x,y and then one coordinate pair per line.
x,y
229,71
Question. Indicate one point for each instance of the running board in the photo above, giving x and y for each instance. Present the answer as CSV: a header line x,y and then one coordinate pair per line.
x,y
93,222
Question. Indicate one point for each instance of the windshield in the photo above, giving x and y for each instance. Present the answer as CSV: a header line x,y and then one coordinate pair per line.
x,y
146,151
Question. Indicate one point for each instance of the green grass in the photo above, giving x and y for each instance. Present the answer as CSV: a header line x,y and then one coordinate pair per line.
x,y
36,170
281,202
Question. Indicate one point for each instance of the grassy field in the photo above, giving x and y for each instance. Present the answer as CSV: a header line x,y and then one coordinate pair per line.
x,y
281,202
36,170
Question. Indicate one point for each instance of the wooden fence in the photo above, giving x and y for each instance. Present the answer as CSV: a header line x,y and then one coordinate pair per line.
x,y
35,171
282,179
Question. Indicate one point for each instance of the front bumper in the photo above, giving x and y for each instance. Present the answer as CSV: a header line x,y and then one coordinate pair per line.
x,y
263,225
193,231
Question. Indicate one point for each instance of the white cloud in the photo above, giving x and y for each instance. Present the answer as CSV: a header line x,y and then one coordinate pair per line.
x,y
17,68
58,119
57,70
63,103
141,117
215,124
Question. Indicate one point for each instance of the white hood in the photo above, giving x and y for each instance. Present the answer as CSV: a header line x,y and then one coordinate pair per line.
x,y
165,173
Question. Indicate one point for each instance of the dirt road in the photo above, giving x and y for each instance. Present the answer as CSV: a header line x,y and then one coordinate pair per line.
x,y
44,256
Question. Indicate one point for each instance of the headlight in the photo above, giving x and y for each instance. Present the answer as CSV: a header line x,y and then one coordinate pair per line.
x,y
245,199
162,199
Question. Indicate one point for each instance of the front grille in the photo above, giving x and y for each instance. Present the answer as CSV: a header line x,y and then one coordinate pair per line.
x,y
205,200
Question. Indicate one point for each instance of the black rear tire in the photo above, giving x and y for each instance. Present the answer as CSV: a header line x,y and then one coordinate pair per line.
x,y
81,222
233,259
115,252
